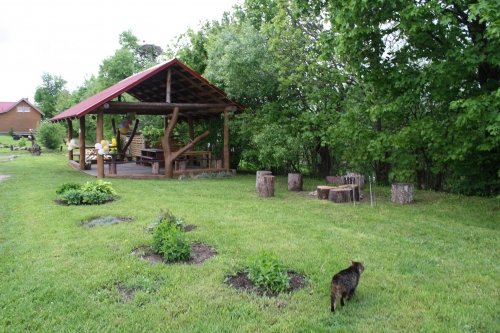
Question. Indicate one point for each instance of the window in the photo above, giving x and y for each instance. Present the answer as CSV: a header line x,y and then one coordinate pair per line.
x,y
23,109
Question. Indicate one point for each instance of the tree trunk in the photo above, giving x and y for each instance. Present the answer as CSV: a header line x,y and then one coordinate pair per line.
x,y
265,186
402,193
294,182
259,174
323,191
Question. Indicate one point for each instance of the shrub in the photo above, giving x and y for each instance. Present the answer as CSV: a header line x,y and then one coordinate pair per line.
x,y
68,186
267,271
22,142
91,193
99,186
11,132
171,242
166,216
51,134
72,197
93,197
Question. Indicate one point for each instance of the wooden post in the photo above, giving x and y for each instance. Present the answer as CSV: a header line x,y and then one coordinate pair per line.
x,y
155,168
99,137
265,187
70,136
402,193
81,138
169,156
294,182
169,80
226,140
260,174
191,136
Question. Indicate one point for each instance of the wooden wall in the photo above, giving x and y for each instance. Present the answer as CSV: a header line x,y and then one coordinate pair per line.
x,y
19,121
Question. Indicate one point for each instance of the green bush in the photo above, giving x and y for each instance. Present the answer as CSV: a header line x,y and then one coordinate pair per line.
x,y
72,197
267,271
93,197
50,134
22,142
166,216
99,186
91,193
11,132
68,186
171,242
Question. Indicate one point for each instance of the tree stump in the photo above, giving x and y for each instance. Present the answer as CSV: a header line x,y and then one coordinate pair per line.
x,y
294,182
265,186
261,173
340,194
323,191
402,193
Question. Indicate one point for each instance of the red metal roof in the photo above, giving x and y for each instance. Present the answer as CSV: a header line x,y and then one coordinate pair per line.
x,y
133,83
7,106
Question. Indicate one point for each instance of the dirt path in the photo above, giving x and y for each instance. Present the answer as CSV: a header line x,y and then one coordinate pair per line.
x,y
2,177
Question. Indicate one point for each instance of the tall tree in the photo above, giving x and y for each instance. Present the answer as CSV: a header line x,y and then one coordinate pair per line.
x,y
436,71
47,94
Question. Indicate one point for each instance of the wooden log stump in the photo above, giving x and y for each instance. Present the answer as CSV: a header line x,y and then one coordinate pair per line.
x,y
155,168
354,192
294,182
265,186
340,194
261,173
323,192
402,193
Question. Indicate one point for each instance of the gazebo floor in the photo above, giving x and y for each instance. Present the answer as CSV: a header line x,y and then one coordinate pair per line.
x,y
139,171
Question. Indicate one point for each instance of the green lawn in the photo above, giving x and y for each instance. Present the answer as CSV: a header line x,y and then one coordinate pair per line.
x,y
432,266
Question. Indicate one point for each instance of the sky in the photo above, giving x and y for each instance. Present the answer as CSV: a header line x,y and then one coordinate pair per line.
x,y
71,38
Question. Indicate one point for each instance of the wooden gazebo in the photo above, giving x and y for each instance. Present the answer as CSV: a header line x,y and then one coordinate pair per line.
x,y
171,90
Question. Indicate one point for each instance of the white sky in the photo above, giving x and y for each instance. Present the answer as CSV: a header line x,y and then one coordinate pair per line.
x,y
71,38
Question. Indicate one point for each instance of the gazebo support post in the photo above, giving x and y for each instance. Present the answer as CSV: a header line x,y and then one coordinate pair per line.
x,y
99,137
191,135
226,139
70,136
81,138
165,142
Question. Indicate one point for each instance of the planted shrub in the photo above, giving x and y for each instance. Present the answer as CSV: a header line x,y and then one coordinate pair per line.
x,y
91,193
68,186
171,242
72,197
93,197
267,271
166,216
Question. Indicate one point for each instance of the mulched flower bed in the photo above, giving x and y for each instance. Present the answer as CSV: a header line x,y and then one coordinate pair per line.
x,y
200,253
240,281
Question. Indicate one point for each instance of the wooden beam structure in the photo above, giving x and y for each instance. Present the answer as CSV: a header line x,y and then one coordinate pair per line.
x,y
99,137
81,139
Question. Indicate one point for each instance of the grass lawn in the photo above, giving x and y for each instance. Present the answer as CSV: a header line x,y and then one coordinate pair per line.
x,y
432,266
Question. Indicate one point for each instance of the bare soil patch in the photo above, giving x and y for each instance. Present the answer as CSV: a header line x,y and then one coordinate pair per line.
x,y
240,281
106,220
200,253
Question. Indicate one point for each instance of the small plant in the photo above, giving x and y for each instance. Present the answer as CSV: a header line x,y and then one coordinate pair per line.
x,y
166,216
72,197
267,271
67,186
93,197
91,193
171,242
22,142
11,132
99,186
